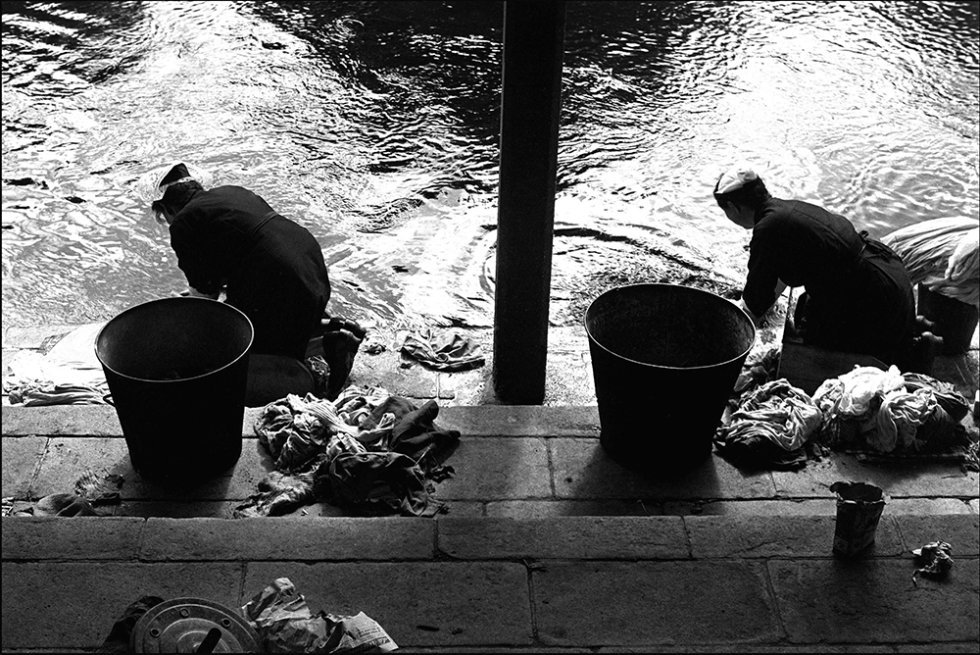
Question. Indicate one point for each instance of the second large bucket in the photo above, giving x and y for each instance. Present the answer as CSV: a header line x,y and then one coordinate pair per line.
x,y
177,370
665,359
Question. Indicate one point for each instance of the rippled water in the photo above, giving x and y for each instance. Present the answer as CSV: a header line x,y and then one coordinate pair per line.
x,y
375,125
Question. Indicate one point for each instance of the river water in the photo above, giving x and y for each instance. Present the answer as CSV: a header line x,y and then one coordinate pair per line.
x,y
375,125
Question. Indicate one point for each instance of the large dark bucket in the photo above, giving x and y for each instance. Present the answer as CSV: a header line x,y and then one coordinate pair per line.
x,y
177,371
665,359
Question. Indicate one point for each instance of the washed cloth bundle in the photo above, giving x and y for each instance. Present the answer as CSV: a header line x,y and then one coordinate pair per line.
x,y
41,394
770,427
286,624
886,412
943,254
370,451
453,352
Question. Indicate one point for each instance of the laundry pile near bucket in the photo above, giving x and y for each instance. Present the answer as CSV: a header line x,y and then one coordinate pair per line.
x,y
367,451
874,414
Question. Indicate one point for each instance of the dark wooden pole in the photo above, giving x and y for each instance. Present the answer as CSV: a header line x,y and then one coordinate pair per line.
x,y
530,104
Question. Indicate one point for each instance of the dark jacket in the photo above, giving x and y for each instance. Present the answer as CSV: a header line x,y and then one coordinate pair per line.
x,y
860,295
273,268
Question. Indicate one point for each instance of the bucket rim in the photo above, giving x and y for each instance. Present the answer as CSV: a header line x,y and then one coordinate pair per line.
x,y
742,312
244,353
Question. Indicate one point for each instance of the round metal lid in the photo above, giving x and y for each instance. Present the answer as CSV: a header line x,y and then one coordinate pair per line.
x,y
181,625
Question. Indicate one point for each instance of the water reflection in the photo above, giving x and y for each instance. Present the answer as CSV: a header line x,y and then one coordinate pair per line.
x,y
375,124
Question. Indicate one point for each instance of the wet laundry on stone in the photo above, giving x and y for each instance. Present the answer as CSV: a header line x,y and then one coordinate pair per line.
x,y
286,624
451,352
368,451
887,413
40,394
770,428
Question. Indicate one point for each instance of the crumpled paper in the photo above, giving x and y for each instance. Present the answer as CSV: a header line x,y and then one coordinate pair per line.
x,y
936,560
284,621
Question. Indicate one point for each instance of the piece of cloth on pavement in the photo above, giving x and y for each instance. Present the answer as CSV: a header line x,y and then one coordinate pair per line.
x,y
286,624
770,428
449,352
368,451
943,254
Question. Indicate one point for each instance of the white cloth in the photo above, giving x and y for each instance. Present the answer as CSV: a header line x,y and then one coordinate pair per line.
x,y
735,178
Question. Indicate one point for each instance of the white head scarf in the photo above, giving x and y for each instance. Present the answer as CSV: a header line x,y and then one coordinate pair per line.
x,y
735,178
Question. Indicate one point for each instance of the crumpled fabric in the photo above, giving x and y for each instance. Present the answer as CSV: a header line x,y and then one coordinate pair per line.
x,y
285,623
943,254
770,427
452,352
41,393
890,413
935,558
370,451
856,393
898,419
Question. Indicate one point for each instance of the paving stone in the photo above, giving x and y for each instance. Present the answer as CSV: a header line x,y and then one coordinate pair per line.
x,y
385,370
582,469
961,531
20,458
875,601
80,421
621,604
771,508
67,420
299,539
570,537
521,421
965,647
975,505
571,373
430,604
496,469
68,458
789,536
538,509
80,537
918,479
63,605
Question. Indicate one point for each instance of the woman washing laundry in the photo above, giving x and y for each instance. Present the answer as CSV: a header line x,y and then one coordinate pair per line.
x,y
229,239
858,294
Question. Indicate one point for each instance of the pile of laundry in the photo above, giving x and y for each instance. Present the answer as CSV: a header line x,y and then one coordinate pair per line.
x,y
888,414
875,414
770,427
367,451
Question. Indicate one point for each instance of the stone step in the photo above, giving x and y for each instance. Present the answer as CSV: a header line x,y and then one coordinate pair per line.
x,y
625,582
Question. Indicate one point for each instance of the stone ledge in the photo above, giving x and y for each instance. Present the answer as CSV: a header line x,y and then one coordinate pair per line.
x,y
521,421
585,537
471,421
785,536
295,539
79,538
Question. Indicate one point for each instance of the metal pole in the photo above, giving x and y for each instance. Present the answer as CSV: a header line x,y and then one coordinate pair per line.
x,y
530,106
